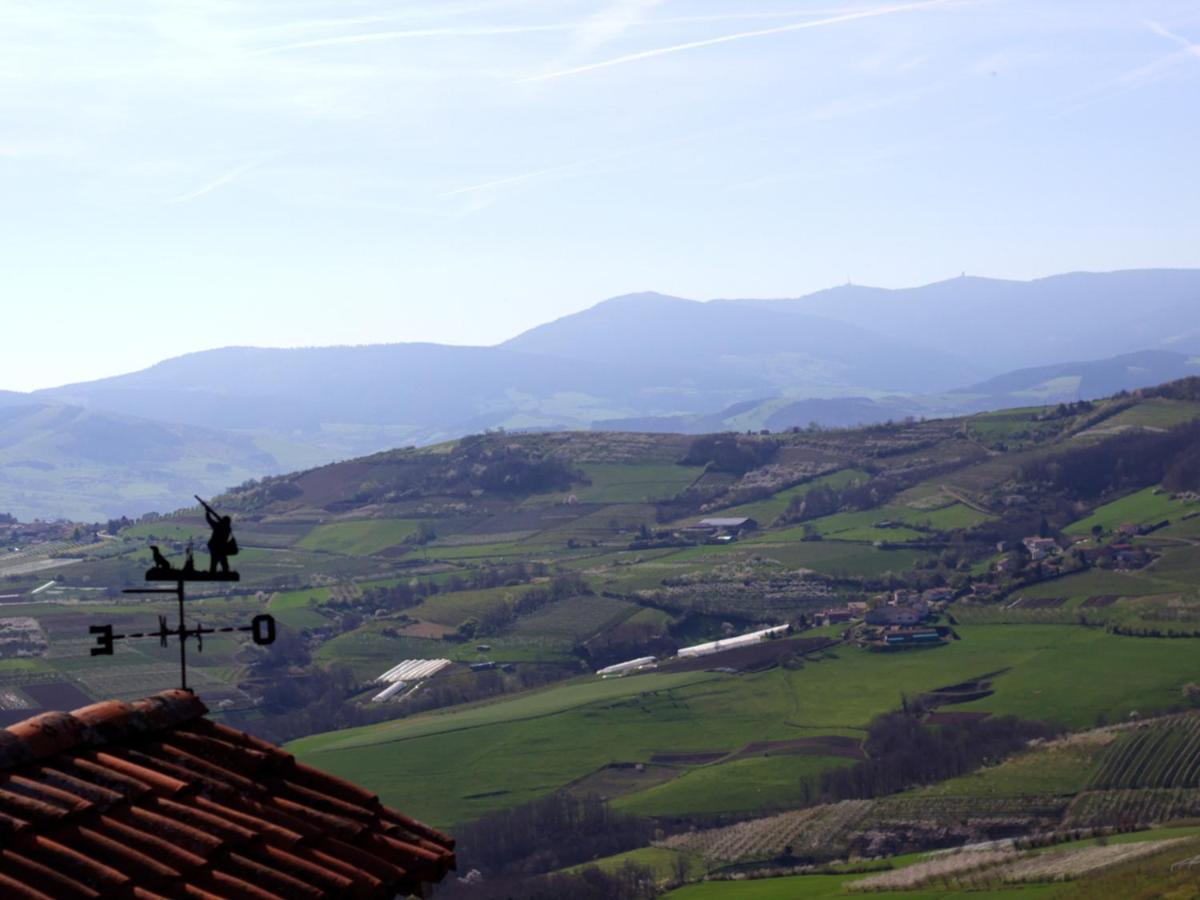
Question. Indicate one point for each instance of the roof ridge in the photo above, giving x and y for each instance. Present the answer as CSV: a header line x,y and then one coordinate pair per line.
x,y
109,721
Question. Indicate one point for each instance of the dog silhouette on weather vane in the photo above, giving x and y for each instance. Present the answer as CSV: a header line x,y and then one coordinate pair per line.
x,y
221,545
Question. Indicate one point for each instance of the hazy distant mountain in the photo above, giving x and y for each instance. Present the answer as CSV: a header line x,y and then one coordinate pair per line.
x,y
845,356
782,347
1007,325
64,461
1086,380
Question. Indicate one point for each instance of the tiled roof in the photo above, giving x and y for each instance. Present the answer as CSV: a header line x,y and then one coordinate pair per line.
x,y
151,799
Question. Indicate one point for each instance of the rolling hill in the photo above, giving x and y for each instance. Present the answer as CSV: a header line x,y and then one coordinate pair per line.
x,y
646,361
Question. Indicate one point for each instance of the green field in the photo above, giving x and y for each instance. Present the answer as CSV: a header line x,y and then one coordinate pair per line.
x,y
821,887
615,483
1144,507
509,751
767,511
759,783
361,537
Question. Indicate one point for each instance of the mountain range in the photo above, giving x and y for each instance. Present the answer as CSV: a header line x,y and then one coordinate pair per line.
x,y
147,440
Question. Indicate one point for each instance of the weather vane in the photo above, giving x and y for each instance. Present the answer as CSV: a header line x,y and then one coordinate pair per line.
x,y
221,546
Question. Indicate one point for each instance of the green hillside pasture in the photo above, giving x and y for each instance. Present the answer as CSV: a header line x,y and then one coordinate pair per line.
x,y
1179,566
1059,768
1076,676
836,557
661,860
262,566
827,887
604,525
498,551
463,763
297,608
771,508
455,608
575,618
864,525
1157,412
1144,507
645,483
757,784
368,651
1015,425
1094,582
362,537
851,526
173,529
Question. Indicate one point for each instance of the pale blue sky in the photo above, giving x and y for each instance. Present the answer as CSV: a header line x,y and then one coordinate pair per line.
x,y
180,175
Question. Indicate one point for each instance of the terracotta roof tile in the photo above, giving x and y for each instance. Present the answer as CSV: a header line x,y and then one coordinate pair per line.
x,y
150,799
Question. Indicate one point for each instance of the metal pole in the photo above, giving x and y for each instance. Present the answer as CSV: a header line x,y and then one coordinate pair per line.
x,y
182,640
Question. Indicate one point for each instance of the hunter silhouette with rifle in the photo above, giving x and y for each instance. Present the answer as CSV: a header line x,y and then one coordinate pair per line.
x,y
222,544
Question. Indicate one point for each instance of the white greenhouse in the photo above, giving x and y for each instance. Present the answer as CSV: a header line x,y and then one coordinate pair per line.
x,y
412,670
630,665
742,640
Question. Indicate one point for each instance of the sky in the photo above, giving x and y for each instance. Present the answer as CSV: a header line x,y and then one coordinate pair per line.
x,y
178,175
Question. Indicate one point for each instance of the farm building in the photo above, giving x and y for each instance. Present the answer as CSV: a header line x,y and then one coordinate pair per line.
x,y
741,640
894,615
901,637
152,798
729,527
835,615
625,668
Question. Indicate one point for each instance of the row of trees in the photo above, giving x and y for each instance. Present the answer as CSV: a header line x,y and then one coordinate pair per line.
x,y
903,750
628,882
1126,461
547,834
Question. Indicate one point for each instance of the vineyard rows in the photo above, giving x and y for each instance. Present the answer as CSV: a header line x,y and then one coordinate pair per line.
x,y
988,868
1133,807
938,869
1067,864
818,831
953,810
1164,755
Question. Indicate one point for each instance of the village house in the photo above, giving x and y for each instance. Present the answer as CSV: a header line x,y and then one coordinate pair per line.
x,y
834,615
894,615
1040,547
938,595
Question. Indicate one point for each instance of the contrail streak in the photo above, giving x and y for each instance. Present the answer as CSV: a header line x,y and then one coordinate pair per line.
x,y
727,38
456,31
225,179
515,179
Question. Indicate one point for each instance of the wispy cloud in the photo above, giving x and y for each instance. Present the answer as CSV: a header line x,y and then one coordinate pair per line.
x,y
612,21
516,179
590,32
1163,32
739,36
217,183
453,31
